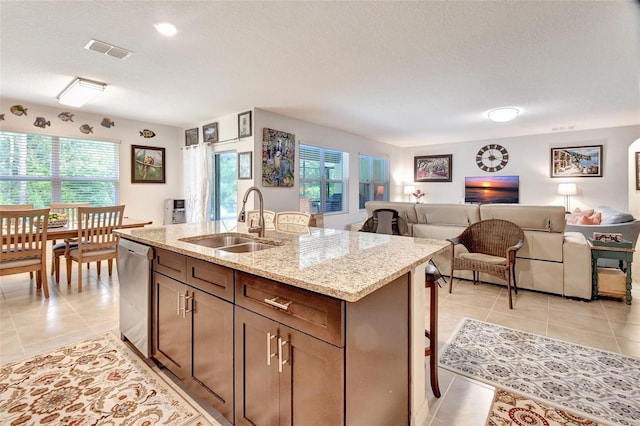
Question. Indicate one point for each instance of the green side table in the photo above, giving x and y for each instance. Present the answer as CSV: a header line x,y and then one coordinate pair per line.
x,y
622,252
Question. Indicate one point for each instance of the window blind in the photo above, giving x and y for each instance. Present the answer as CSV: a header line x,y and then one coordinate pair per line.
x,y
40,169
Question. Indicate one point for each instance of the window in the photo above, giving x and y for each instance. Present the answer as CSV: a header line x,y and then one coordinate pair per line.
x,y
374,179
322,180
38,169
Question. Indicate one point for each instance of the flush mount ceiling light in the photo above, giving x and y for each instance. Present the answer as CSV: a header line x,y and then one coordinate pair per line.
x,y
80,91
501,115
166,29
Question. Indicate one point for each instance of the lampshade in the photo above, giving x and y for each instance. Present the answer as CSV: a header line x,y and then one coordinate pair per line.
x,y
503,114
409,189
567,189
80,91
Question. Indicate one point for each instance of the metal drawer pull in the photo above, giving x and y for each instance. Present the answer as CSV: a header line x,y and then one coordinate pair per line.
x,y
186,303
281,362
272,302
270,337
181,304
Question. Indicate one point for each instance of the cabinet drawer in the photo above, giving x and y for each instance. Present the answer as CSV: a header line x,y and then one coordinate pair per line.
x,y
171,264
315,314
211,278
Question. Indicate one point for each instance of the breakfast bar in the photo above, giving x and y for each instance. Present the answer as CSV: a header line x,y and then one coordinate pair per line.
x,y
321,328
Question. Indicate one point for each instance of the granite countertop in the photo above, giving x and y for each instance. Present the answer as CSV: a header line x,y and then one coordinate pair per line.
x,y
342,264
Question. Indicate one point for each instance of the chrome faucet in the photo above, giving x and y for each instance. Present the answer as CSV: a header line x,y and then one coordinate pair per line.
x,y
242,215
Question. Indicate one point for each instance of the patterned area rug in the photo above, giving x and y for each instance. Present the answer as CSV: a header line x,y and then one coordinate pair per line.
x,y
99,381
598,384
511,409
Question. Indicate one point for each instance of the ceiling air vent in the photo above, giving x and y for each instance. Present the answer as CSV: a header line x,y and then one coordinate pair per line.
x,y
108,49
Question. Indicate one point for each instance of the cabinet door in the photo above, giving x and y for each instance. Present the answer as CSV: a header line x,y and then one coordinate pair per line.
x,y
311,382
256,401
213,350
171,326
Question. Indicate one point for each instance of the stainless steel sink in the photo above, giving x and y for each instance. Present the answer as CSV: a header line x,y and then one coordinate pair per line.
x,y
230,243
246,247
217,241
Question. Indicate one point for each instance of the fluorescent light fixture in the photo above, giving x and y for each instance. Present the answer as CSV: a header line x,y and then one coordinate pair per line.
x,y
501,115
166,29
80,91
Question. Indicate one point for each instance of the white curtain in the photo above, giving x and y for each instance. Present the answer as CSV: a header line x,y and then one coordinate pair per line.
x,y
197,169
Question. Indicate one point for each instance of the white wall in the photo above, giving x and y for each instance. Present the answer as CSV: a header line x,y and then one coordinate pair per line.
x,y
529,158
280,199
143,201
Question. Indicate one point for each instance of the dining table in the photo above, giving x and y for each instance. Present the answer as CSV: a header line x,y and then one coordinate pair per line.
x,y
70,229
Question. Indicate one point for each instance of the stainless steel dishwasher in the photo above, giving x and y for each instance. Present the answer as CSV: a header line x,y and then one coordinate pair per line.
x,y
134,274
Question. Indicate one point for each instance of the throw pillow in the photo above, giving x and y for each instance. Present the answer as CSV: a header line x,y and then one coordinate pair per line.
x,y
594,219
578,214
611,215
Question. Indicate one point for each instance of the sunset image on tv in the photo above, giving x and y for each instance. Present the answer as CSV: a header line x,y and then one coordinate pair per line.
x,y
491,189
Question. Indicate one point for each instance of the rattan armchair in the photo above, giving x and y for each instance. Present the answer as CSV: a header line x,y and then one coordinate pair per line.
x,y
491,249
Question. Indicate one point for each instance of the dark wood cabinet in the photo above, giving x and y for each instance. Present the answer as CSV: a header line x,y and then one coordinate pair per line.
x,y
193,329
284,376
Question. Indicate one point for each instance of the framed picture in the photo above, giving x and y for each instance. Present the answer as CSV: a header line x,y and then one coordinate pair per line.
x,y
245,169
191,137
147,164
210,133
576,161
432,168
278,158
244,124
637,171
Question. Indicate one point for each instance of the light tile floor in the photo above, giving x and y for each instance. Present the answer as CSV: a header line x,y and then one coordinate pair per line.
x,y
30,324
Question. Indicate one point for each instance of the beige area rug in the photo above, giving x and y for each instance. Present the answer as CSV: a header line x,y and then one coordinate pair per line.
x,y
512,409
99,381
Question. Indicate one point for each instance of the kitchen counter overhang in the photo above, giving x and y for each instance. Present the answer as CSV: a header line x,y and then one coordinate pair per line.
x,y
337,263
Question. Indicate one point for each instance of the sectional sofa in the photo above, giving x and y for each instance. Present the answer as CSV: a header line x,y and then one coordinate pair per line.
x,y
551,260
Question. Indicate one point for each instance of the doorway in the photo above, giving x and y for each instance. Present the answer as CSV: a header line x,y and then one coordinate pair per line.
x,y
225,185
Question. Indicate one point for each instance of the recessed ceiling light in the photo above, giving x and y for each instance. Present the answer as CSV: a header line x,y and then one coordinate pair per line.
x,y
501,115
166,29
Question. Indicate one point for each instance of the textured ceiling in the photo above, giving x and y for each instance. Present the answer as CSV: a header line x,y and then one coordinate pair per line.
x,y
405,73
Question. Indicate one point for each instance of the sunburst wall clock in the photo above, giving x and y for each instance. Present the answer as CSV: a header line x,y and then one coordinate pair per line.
x,y
492,157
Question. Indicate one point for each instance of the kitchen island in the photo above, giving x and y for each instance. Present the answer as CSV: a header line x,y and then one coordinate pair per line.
x,y
334,318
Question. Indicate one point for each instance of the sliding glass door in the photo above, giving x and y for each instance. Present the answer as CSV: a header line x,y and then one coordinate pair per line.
x,y
225,185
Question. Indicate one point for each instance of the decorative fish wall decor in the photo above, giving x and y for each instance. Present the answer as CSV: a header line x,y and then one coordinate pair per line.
x,y
18,110
146,133
41,122
107,122
66,116
86,129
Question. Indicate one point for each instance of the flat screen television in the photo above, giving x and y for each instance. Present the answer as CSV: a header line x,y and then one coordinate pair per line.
x,y
491,189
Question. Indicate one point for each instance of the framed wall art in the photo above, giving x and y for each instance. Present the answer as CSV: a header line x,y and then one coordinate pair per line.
x,y
637,171
147,164
245,169
278,158
191,137
576,161
432,168
244,124
210,133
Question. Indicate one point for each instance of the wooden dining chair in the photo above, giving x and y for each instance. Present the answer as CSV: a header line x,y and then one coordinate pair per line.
x,y
24,244
269,219
70,210
292,222
95,241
